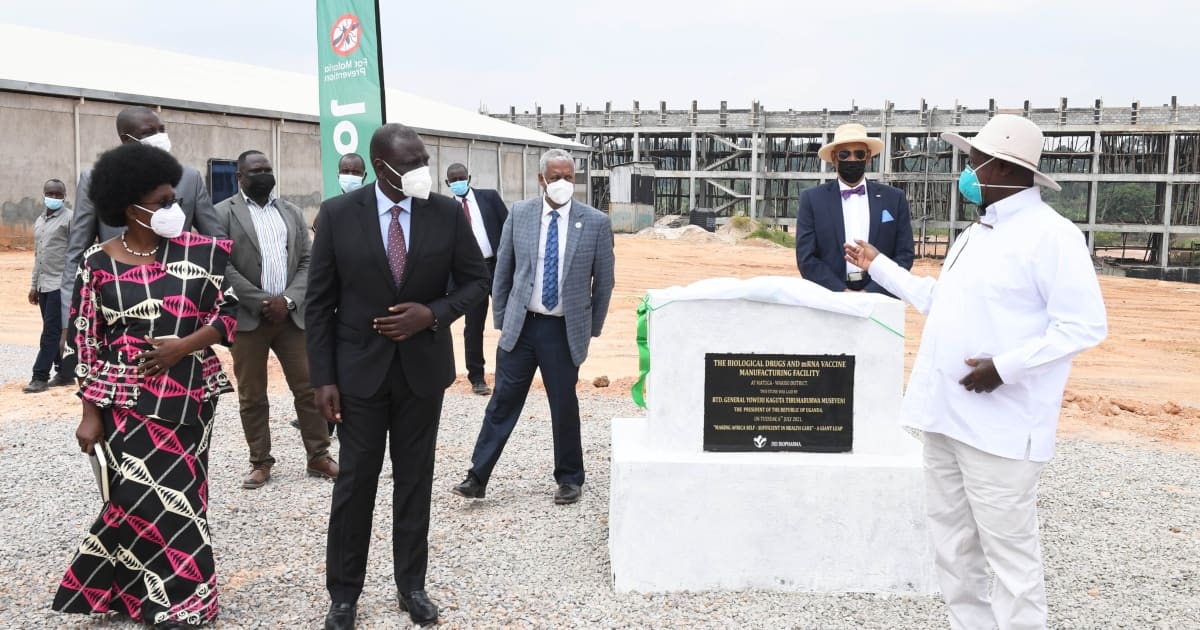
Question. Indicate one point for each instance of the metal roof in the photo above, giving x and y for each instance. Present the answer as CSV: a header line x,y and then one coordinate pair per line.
x,y
70,65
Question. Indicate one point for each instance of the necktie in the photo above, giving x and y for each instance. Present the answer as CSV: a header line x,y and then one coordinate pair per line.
x,y
550,269
397,252
857,190
466,209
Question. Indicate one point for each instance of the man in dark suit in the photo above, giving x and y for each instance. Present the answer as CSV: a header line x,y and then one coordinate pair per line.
x,y
554,280
487,213
268,271
849,209
381,358
134,124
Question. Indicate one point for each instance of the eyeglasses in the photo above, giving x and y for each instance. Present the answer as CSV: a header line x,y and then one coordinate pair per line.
x,y
163,203
859,154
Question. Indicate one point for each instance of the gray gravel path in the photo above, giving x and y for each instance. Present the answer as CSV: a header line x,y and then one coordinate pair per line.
x,y
1121,530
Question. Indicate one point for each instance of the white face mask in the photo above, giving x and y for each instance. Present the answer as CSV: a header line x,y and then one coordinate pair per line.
x,y
158,140
167,222
560,192
349,182
417,183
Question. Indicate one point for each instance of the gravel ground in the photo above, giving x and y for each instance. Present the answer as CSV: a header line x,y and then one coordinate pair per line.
x,y
1121,530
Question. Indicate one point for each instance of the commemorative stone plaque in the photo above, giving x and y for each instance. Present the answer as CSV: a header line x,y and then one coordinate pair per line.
x,y
778,402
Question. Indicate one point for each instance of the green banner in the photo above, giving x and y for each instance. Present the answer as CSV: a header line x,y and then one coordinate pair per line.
x,y
351,76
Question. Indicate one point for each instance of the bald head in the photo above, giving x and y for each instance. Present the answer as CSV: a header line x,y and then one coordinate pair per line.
x,y
393,139
456,172
352,164
137,122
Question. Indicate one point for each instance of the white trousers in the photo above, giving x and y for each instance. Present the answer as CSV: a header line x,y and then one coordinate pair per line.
x,y
983,512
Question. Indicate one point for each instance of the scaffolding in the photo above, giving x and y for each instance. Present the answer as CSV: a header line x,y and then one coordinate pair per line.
x,y
1130,175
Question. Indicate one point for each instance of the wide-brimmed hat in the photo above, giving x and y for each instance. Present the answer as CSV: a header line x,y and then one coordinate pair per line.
x,y
1010,138
847,133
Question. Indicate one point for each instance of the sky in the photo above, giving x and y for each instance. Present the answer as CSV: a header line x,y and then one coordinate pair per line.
x,y
787,54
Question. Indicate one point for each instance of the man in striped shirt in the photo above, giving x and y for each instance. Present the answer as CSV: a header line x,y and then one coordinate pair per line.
x,y
268,270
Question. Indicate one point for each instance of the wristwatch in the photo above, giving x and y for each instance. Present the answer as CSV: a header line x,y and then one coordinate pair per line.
x,y
291,306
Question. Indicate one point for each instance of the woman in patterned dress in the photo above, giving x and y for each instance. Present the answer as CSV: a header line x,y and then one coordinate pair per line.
x,y
147,307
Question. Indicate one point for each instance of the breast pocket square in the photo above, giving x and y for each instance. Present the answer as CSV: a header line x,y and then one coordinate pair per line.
x,y
887,216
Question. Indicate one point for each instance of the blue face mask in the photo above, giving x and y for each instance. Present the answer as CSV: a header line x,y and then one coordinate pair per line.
x,y
969,186
460,188
53,204
349,182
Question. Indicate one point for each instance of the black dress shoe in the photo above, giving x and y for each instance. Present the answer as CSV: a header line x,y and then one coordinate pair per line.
x,y
340,617
422,611
470,488
567,493
36,387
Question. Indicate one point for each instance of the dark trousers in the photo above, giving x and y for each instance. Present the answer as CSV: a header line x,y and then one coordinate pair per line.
x,y
542,346
48,356
408,425
250,352
475,319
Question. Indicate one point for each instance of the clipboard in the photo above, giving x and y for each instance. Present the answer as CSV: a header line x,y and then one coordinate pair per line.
x,y
100,470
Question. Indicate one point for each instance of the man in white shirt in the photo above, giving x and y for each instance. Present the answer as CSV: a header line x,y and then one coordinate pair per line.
x,y
268,270
554,280
486,212
848,209
1016,300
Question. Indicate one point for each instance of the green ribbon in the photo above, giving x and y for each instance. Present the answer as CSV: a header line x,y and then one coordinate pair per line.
x,y
638,393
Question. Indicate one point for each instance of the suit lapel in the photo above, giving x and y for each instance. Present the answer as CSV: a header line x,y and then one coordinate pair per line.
x,y
241,212
876,203
534,230
837,215
368,223
295,232
574,218
420,226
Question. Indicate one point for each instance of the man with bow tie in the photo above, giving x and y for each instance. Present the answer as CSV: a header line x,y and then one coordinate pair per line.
x,y
848,209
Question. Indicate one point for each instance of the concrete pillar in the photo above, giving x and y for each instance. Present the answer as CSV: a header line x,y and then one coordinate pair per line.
x,y
500,169
954,199
1093,192
754,175
1168,198
692,170
637,147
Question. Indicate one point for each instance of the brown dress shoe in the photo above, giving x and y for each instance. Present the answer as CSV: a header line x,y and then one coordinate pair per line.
x,y
258,477
323,467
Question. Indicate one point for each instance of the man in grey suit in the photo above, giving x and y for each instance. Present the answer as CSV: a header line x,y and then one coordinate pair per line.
x,y
134,124
268,270
553,282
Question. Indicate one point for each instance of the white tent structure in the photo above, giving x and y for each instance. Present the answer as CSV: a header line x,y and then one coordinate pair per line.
x,y
60,93
106,70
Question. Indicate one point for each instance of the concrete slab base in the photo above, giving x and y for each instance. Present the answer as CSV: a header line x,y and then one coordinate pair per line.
x,y
814,522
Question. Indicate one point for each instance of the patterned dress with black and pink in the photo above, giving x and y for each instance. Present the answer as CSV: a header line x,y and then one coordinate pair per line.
x,y
149,554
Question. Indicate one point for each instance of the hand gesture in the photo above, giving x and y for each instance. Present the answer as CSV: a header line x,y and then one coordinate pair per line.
x,y
164,356
275,309
407,320
860,254
983,378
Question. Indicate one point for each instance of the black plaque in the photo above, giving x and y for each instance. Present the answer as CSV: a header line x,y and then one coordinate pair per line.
x,y
778,402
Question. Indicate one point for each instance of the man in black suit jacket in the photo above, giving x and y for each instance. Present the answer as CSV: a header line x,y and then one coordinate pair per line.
x,y
486,211
836,213
380,355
